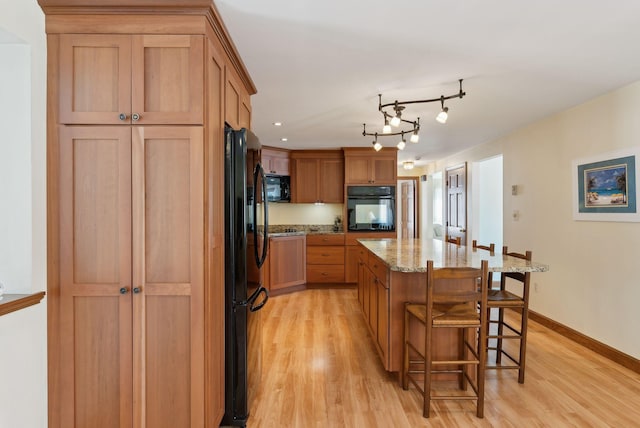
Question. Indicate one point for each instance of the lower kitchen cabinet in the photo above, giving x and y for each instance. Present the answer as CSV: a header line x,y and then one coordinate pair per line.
x,y
325,258
354,251
287,261
373,296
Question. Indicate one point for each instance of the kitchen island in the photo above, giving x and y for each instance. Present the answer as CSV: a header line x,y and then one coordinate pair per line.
x,y
392,272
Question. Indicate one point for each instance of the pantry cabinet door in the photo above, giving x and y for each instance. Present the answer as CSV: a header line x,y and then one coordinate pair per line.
x,y
167,79
95,79
95,277
168,259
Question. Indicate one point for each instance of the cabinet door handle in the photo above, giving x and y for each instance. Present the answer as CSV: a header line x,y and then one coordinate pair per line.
x,y
124,290
135,117
122,116
137,290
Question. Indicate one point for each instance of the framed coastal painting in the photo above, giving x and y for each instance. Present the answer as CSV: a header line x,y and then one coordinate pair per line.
x,y
604,187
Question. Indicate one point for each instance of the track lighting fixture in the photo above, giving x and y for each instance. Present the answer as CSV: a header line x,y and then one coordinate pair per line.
x,y
396,119
376,146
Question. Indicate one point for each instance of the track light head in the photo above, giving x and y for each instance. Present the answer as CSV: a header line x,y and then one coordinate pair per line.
x,y
443,115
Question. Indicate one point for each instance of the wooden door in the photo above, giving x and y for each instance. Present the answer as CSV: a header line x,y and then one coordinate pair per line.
x,y
168,233
95,79
275,161
384,170
95,316
306,181
288,261
408,209
383,321
214,291
167,79
331,184
357,170
352,254
373,304
457,202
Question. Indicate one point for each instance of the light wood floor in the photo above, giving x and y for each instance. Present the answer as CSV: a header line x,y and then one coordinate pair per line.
x,y
320,369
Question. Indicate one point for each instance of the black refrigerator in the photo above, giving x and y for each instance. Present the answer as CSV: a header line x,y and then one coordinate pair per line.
x,y
246,224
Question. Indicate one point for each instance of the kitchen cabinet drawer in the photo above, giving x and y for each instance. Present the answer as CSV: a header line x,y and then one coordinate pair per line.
x,y
326,239
379,269
325,255
325,273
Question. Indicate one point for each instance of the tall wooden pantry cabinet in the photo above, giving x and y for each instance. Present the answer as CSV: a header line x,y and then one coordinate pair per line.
x,y
138,93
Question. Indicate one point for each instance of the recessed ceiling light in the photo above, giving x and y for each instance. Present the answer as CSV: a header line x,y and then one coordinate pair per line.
x,y
277,123
284,139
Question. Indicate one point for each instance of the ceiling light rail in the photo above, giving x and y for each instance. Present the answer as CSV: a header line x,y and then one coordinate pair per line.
x,y
395,119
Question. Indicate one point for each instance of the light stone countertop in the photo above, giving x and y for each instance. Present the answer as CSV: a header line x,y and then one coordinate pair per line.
x,y
411,255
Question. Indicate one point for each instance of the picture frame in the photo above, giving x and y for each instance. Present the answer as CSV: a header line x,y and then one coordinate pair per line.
x,y
605,187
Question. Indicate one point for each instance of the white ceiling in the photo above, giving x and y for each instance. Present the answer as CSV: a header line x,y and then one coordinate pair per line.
x,y
320,65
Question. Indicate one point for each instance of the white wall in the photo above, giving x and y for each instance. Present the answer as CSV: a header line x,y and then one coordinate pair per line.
x,y
592,285
23,384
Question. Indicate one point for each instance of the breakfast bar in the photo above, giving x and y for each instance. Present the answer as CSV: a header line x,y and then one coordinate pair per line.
x,y
392,272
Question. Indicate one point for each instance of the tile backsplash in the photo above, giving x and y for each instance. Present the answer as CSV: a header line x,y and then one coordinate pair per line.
x,y
301,215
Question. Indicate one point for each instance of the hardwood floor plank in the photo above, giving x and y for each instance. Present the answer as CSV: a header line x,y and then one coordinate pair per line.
x,y
321,369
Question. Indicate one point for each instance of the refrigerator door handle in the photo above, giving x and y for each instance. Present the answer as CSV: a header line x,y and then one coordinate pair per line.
x,y
252,300
259,172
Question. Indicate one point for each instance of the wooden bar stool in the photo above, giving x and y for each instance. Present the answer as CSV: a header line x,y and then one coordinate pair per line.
x,y
456,298
512,294
491,247
457,240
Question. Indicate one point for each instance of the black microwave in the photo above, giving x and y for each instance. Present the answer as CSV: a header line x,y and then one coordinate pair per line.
x,y
278,188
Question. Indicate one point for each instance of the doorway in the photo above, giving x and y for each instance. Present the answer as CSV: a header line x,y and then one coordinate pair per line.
x,y
431,208
487,201
407,195
457,203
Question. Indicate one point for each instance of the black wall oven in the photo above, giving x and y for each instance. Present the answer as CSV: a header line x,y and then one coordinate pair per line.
x,y
371,208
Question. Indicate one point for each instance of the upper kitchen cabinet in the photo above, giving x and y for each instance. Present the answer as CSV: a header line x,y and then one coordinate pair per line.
x,y
275,161
365,166
131,79
318,176
237,102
